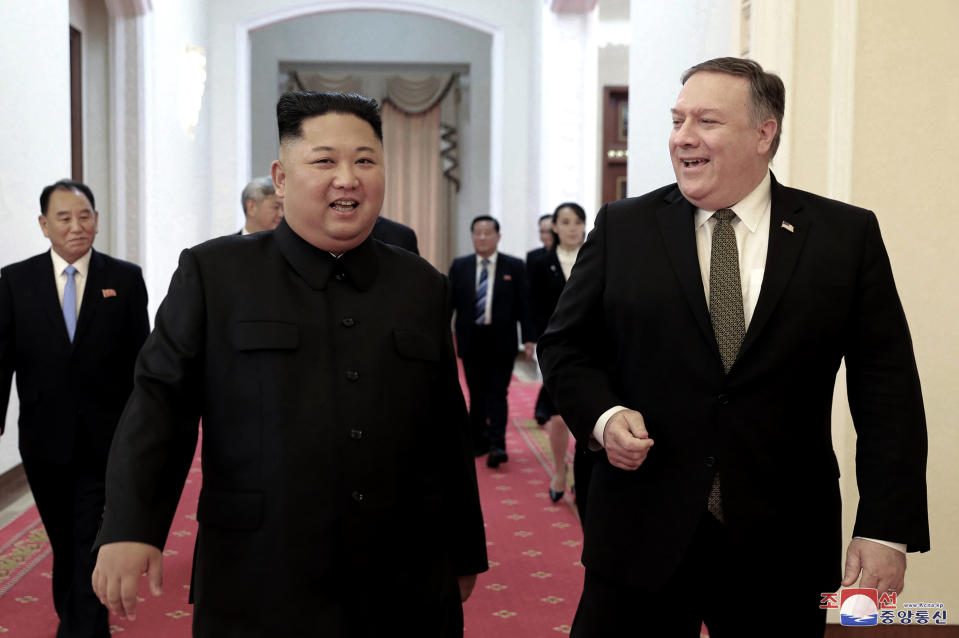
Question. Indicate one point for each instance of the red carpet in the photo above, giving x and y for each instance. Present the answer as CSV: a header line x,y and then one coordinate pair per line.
x,y
535,577
26,598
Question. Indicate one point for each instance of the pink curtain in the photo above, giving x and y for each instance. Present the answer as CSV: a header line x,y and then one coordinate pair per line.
x,y
415,185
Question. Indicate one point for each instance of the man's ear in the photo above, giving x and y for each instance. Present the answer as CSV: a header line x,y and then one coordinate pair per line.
x,y
767,133
43,225
279,177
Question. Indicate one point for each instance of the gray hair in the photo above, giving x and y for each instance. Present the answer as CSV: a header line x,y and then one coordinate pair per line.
x,y
256,190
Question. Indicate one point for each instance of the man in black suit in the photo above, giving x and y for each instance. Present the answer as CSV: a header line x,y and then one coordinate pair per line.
x,y
490,299
262,207
339,492
545,225
391,232
698,341
71,323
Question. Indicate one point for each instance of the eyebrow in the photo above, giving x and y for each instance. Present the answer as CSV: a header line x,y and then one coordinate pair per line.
x,y
697,111
368,149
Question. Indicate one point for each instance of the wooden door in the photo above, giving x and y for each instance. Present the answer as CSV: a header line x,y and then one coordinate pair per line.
x,y
615,133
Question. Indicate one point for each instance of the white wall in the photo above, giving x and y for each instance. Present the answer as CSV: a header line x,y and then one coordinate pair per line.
x,y
35,107
668,38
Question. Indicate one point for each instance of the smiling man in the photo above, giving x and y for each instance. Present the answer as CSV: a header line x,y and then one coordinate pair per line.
x,y
698,341
71,323
339,493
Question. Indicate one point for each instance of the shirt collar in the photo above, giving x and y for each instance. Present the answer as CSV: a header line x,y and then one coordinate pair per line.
x,y
60,264
358,265
750,209
491,258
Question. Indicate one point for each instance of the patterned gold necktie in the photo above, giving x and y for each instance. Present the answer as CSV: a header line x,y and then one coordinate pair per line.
x,y
725,311
726,289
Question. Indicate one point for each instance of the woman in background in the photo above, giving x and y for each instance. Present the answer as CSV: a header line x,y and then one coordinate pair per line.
x,y
547,278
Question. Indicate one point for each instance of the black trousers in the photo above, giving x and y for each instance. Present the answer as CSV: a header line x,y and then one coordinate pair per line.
x,y
711,586
488,374
70,500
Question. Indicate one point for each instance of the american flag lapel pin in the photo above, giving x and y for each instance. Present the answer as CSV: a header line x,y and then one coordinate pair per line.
x,y
109,292
788,226
507,277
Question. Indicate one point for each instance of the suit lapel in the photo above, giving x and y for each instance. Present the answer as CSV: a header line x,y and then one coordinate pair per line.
x,y
788,229
679,235
91,295
47,296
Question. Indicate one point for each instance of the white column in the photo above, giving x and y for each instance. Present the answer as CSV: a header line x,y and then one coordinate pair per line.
x,y
568,121
668,38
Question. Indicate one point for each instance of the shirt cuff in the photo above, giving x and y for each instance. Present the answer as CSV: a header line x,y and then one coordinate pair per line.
x,y
600,428
899,546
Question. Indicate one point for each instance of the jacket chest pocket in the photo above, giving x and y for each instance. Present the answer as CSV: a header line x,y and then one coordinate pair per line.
x,y
269,355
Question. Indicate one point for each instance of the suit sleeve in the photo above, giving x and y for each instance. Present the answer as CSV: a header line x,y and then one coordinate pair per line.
x,y
468,533
887,409
6,346
139,326
572,350
527,330
155,440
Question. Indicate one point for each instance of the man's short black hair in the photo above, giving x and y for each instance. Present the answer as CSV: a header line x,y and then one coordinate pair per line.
x,y
296,106
65,185
484,218
544,216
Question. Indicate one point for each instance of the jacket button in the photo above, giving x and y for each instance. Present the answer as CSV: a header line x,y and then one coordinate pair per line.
x,y
352,375
710,461
340,276
723,399
349,322
356,434
358,496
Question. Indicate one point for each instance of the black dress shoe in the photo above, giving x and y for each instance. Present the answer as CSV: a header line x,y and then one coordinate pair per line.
x,y
554,495
496,457
480,451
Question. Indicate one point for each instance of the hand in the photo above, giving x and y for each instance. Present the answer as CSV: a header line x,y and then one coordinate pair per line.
x,y
626,440
882,567
530,347
466,584
116,578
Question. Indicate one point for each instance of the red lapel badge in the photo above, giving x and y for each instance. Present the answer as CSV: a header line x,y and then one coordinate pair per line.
x,y
109,292
507,277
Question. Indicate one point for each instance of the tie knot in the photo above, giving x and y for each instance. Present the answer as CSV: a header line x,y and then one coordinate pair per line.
x,y
70,270
485,262
724,214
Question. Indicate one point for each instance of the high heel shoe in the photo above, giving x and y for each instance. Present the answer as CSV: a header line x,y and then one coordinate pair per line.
x,y
553,494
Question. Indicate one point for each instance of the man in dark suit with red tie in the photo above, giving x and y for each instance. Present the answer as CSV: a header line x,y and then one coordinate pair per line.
x,y
698,341
339,494
72,321
490,300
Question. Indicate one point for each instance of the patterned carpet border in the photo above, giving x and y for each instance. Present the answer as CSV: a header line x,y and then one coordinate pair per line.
x,y
536,438
24,551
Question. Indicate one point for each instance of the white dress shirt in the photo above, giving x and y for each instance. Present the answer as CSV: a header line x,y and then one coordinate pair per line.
x,y
80,277
490,271
567,258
